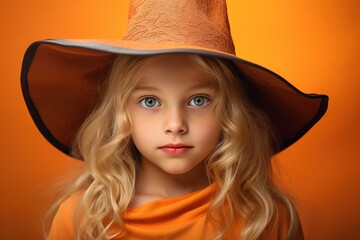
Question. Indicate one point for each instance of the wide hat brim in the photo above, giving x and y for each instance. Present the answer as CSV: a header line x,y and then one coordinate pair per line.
x,y
60,82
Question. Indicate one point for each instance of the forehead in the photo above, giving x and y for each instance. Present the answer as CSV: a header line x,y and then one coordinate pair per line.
x,y
173,68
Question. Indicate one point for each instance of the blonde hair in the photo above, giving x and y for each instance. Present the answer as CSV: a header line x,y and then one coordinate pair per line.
x,y
240,164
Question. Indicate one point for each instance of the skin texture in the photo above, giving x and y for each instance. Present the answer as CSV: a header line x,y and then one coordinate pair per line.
x,y
173,103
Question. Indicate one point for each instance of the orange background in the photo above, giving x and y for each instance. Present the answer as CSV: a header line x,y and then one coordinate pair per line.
x,y
313,44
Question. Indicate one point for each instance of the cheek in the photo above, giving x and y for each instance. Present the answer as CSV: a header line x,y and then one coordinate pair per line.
x,y
142,131
208,132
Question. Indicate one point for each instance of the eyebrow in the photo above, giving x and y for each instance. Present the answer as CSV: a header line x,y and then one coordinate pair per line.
x,y
192,88
146,88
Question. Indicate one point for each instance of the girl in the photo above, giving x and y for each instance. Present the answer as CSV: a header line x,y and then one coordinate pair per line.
x,y
175,131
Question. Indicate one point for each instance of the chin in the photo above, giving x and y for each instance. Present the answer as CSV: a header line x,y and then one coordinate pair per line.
x,y
177,170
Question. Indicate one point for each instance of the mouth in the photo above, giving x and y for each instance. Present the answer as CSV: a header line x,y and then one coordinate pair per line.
x,y
175,149
178,145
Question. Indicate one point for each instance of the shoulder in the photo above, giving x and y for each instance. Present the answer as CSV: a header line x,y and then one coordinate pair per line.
x,y
62,224
279,226
68,207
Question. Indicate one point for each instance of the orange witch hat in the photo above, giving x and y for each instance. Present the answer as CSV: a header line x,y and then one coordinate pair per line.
x,y
60,78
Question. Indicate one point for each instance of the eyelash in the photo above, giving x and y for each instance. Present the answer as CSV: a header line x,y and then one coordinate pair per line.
x,y
206,101
142,102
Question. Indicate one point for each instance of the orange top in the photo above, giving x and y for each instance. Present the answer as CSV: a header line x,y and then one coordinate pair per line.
x,y
183,217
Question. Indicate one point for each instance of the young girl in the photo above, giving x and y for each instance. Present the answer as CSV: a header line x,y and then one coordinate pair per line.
x,y
175,131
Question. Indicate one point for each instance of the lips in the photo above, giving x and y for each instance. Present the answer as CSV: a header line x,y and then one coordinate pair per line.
x,y
176,149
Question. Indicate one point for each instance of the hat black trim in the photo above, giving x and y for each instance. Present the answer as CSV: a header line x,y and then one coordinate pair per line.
x,y
322,110
27,61
31,51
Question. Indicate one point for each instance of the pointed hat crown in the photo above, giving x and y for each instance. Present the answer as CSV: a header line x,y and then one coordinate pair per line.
x,y
201,23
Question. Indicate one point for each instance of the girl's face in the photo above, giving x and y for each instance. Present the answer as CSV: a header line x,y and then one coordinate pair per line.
x,y
174,125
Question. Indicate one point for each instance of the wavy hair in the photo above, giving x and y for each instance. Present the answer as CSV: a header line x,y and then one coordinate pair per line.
x,y
240,164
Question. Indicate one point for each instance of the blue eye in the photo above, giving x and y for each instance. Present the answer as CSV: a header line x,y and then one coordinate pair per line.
x,y
198,101
149,102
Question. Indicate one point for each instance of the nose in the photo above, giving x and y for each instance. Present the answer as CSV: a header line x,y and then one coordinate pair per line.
x,y
175,121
